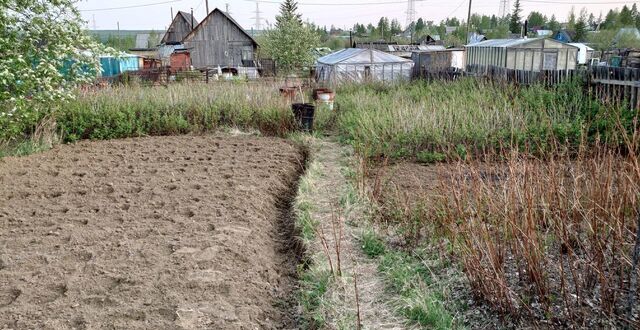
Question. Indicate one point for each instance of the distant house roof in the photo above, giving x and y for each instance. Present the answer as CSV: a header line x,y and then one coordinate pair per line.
x,y
581,45
189,18
565,35
450,29
225,15
181,25
475,38
543,33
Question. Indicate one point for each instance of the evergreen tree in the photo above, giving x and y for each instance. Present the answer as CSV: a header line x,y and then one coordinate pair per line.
x,y
291,42
420,25
494,21
536,19
626,17
395,27
514,24
592,22
288,12
611,20
581,27
571,24
553,24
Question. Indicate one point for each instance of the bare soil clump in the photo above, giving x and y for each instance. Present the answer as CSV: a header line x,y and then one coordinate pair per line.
x,y
160,233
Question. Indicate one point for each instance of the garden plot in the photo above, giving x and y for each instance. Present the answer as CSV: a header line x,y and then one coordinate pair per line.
x,y
160,233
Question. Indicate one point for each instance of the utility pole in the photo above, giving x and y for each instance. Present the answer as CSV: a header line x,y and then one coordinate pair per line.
x,y
468,22
504,8
95,27
258,17
207,5
226,5
411,12
172,14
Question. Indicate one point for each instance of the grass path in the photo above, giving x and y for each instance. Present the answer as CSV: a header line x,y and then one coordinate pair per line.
x,y
329,200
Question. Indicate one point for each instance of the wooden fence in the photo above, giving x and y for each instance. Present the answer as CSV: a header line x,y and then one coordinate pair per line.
x,y
615,85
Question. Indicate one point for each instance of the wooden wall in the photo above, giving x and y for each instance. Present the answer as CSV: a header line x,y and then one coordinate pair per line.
x,y
219,41
179,29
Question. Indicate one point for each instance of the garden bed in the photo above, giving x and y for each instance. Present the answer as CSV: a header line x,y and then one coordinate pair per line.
x,y
165,232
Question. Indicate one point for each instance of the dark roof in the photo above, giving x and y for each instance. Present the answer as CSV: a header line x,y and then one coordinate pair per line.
x,y
188,17
225,15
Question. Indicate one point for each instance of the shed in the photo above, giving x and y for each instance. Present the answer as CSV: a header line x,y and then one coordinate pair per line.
x,y
111,66
534,54
361,65
220,41
181,26
585,53
438,61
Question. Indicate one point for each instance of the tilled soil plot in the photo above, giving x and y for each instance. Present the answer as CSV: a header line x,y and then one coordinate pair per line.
x,y
158,233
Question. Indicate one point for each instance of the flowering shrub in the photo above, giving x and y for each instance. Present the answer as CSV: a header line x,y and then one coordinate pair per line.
x,y
45,55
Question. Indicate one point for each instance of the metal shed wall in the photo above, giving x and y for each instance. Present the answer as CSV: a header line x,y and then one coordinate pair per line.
x,y
219,41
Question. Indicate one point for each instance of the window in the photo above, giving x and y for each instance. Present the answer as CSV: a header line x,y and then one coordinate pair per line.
x,y
550,61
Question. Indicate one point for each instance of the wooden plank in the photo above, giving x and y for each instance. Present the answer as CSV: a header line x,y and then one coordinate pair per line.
x,y
617,82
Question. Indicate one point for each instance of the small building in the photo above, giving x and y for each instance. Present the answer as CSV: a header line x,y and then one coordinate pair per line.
x,y
220,41
179,60
585,53
111,66
565,36
362,65
181,26
534,54
544,33
438,61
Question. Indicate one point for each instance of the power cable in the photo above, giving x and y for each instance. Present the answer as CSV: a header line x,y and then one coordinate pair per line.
x,y
134,6
580,3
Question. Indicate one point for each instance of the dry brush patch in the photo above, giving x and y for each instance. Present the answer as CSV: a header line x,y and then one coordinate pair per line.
x,y
549,242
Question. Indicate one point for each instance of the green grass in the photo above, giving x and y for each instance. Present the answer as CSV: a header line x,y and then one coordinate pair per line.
x,y
23,148
418,298
314,283
431,121
119,112
372,245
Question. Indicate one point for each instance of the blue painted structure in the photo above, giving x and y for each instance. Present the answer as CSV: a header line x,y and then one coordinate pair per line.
x,y
112,66
563,36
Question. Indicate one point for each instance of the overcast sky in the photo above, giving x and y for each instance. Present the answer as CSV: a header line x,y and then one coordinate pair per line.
x,y
341,13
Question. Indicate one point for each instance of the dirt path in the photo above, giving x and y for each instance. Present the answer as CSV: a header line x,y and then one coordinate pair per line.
x,y
155,233
331,197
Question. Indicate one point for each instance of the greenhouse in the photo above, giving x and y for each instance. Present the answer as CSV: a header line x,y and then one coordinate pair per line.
x,y
362,65
536,54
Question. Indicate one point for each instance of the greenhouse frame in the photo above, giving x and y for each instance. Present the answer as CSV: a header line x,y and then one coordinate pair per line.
x,y
362,65
536,54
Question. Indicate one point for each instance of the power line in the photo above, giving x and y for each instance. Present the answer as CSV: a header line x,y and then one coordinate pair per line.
x,y
134,6
581,3
342,4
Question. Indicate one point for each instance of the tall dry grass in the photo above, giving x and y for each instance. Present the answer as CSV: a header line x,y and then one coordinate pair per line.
x,y
124,111
550,240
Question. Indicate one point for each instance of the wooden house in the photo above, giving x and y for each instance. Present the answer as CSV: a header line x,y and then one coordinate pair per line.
x,y
181,26
220,41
